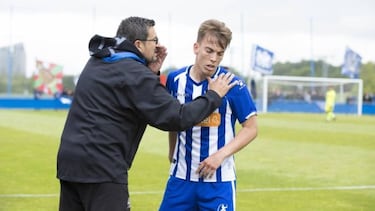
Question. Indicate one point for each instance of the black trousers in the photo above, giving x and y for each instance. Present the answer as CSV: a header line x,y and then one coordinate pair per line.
x,y
93,197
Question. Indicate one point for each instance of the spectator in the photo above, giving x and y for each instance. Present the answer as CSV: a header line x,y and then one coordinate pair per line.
x,y
367,98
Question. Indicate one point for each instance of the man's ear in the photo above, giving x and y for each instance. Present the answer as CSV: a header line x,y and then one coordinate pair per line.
x,y
139,45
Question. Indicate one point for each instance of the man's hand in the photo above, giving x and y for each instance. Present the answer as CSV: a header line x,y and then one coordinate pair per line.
x,y
222,84
160,54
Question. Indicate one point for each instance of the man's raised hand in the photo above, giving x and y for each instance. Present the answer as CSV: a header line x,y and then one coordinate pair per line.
x,y
222,84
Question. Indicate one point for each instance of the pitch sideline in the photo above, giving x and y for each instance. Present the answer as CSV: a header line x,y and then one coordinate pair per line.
x,y
332,188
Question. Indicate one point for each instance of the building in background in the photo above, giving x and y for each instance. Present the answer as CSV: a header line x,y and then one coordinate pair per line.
x,y
13,58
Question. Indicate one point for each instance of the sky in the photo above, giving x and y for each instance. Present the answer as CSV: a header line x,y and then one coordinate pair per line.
x,y
59,31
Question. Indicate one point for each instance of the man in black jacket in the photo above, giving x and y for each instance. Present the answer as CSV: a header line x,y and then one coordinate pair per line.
x,y
117,95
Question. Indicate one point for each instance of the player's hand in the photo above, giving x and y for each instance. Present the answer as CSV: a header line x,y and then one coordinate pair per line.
x,y
208,166
222,84
160,55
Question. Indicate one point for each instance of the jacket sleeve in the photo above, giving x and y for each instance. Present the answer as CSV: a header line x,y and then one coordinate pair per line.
x,y
159,109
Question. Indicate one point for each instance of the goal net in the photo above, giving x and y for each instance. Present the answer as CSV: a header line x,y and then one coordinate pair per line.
x,y
307,94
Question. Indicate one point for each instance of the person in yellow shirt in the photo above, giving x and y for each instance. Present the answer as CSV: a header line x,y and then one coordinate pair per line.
x,y
330,104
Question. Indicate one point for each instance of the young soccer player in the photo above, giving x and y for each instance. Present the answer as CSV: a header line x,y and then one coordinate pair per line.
x,y
202,174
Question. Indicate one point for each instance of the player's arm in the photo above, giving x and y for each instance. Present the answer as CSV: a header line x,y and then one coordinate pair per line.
x,y
245,135
172,144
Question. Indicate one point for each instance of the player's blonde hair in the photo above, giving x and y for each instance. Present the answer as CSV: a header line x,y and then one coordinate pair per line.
x,y
217,29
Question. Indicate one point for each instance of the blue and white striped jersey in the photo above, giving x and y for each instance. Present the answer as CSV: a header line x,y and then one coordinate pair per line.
x,y
217,130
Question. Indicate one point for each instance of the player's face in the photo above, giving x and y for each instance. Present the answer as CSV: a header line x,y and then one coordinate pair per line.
x,y
209,54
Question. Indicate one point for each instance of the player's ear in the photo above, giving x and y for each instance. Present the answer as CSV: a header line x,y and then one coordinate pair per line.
x,y
196,48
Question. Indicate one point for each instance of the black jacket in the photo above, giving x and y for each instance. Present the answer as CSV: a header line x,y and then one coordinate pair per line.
x,y
113,102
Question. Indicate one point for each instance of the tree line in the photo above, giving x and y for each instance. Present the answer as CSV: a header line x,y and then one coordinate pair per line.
x,y
21,85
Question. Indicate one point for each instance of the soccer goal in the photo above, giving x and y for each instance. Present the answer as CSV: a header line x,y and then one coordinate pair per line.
x,y
307,94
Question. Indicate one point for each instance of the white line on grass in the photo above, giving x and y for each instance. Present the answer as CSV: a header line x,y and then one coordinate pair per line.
x,y
360,187
21,195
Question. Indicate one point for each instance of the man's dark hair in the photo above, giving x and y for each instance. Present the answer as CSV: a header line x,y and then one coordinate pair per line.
x,y
135,28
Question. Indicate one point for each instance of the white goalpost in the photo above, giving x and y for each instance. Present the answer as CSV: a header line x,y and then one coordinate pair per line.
x,y
306,94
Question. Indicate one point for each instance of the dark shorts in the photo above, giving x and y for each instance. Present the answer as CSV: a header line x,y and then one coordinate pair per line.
x,y
93,197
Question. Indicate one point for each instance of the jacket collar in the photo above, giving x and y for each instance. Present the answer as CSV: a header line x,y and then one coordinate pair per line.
x,y
102,47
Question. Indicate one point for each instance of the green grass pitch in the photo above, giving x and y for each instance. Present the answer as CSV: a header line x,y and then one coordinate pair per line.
x,y
297,162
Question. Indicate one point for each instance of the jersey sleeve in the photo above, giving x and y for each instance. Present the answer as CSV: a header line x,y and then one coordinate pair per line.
x,y
241,101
